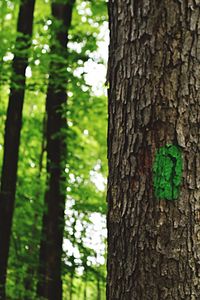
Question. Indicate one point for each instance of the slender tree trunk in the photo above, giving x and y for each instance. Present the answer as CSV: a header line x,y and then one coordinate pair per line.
x,y
31,272
98,287
12,133
85,286
154,109
71,285
2,21
50,283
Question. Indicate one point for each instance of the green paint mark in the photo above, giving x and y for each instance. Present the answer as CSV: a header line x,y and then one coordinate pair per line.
x,y
167,172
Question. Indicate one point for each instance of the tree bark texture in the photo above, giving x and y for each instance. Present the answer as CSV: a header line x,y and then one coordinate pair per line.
x,y
12,133
50,283
154,100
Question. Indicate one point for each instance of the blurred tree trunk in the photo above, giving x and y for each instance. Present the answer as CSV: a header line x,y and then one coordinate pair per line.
x,y
98,287
32,270
71,286
154,78
12,133
50,282
85,286
72,268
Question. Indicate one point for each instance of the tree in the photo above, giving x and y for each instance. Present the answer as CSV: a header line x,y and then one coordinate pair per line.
x,y
153,140
50,283
12,133
86,147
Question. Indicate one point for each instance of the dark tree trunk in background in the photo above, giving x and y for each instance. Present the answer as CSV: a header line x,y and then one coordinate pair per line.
x,y
98,287
12,133
154,100
85,286
50,283
31,272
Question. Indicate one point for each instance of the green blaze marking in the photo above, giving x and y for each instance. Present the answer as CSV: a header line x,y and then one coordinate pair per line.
x,y
167,172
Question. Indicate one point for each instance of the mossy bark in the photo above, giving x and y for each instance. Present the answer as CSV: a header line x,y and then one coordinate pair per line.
x,y
154,92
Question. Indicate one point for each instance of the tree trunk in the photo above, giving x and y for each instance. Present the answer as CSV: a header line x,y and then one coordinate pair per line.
x,y
71,285
154,110
31,272
50,283
85,286
98,287
12,133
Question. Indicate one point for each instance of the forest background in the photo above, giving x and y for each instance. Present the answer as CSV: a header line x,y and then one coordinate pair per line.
x,y
83,264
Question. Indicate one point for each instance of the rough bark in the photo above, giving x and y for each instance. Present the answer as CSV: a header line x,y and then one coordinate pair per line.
x,y
50,282
154,78
12,133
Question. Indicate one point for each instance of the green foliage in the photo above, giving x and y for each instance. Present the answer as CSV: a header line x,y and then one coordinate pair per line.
x,y
167,171
86,143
